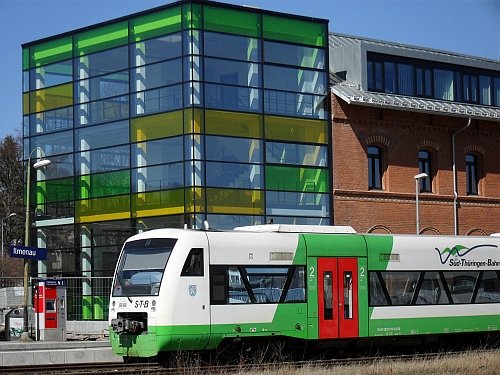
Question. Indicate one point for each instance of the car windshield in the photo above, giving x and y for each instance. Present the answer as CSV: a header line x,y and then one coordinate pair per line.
x,y
141,267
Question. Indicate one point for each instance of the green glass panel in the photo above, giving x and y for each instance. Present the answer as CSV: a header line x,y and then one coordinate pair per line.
x,y
50,52
50,98
156,126
296,130
191,16
104,184
58,190
231,21
102,38
233,124
312,180
193,120
151,25
155,203
294,30
235,201
26,58
102,209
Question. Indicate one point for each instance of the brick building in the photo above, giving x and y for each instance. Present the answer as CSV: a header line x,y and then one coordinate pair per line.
x,y
395,110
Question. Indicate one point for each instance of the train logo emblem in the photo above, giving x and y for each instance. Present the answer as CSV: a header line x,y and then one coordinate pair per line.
x,y
457,251
192,290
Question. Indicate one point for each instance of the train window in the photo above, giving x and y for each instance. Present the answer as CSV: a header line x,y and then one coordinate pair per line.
x,y
194,263
431,290
237,290
489,288
461,285
218,285
377,295
400,286
328,295
297,289
267,283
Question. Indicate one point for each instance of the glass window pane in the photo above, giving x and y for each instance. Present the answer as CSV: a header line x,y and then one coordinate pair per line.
x,y
156,75
267,283
297,220
58,190
233,149
154,203
489,289
102,38
60,166
157,152
102,87
231,72
102,209
377,297
51,98
102,63
157,49
290,54
156,126
232,98
297,154
443,84
102,136
400,286
485,90
233,124
231,46
390,77
157,100
496,82
461,285
296,130
233,175
54,144
26,80
237,292
51,75
298,80
294,104
405,79
52,51
297,179
104,184
112,109
294,30
160,177
228,222
234,201
231,21
158,23
103,160
432,291
26,58
281,203
49,121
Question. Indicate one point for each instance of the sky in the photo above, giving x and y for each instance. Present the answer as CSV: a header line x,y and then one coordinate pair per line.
x,y
470,27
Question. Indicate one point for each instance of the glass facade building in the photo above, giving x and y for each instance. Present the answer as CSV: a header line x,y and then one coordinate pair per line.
x,y
189,112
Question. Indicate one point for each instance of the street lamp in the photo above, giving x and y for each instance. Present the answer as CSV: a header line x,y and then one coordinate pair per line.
x,y
42,163
417,180
2,221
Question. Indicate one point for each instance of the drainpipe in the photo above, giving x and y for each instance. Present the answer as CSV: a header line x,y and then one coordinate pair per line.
x,y
455,192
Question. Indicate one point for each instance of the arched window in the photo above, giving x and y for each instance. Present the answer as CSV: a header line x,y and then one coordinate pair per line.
x,y
471,174
374,168
425,166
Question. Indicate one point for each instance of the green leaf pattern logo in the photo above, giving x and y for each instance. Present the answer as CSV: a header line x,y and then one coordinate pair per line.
x,y
457,251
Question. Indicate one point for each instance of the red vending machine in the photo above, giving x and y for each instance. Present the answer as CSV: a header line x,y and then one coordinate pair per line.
x,y
50,310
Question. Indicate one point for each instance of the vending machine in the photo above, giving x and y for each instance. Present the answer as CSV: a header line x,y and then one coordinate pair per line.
x,y
50,310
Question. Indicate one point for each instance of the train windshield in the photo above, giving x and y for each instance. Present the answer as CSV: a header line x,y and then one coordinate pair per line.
x,y
141,267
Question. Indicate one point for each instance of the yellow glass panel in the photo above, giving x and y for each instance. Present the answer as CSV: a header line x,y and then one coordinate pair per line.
x,y
50,98
193,121
102,209
232,201
26,103
195,201
296,130
156,126
233,124
155,203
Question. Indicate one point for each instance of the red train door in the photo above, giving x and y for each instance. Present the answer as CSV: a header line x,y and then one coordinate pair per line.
x,y
338,297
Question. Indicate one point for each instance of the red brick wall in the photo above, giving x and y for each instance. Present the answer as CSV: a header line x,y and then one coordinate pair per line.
x,y
401,134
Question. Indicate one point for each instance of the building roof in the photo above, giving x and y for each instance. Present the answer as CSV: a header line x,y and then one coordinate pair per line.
x,y
355,95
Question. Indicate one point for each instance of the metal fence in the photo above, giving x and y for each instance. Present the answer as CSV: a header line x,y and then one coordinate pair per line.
x,y
87,298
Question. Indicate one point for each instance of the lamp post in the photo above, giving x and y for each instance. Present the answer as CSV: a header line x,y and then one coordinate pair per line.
x,y
2,221
417,189
42,163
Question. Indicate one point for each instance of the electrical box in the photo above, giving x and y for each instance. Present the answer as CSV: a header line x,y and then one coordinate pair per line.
x,y
50,310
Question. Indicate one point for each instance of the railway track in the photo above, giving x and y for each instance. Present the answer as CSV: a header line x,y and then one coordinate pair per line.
x,y
154,368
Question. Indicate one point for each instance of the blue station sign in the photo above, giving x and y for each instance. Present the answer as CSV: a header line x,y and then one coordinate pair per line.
x,y
28,252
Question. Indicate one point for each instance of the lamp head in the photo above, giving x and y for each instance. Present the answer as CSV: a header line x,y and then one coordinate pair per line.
x,y
42,163
421,175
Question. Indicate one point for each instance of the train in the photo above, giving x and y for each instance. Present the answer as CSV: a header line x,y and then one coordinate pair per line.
x,y
197,290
